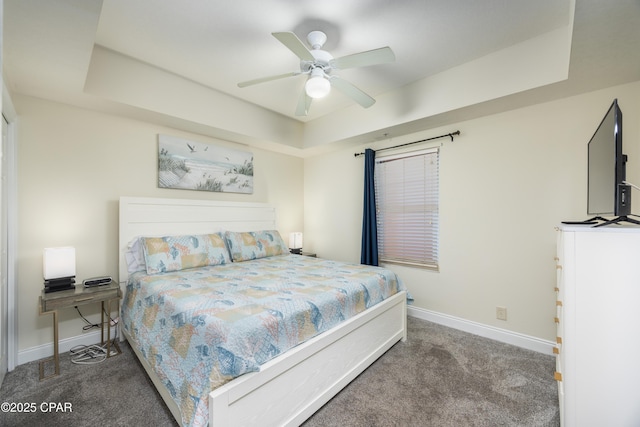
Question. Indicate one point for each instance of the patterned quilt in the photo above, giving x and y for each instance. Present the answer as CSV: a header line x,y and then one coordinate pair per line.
x,y
200,328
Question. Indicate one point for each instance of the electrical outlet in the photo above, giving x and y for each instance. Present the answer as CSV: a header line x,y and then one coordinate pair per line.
x,y
501,313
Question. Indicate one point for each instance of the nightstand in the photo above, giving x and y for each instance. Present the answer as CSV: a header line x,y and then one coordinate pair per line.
x,y
50,303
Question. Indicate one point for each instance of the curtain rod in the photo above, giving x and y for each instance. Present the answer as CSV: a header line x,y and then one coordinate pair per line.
x,y
450,135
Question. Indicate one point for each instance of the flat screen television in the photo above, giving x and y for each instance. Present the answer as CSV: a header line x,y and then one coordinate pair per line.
x,y
608,193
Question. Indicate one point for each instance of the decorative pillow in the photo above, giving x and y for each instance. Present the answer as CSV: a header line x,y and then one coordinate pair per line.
x,y
173,253
250,245
218,252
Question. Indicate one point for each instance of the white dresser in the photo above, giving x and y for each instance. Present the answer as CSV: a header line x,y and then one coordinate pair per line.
x,y
598,326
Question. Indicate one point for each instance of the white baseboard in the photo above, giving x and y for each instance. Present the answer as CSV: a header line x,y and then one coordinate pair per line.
x,y
502,335
64,345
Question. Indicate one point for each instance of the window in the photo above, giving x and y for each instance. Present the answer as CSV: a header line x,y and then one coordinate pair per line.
x,y
407,208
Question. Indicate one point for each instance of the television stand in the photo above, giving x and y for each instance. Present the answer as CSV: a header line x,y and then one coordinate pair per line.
x,y
623,218
589,221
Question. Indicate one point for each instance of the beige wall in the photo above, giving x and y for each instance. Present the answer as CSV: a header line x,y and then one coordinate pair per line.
x,y
505,183
74,164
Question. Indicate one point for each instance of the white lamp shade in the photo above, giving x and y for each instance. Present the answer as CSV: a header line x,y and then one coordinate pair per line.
x,y
295,240
317,87
58,262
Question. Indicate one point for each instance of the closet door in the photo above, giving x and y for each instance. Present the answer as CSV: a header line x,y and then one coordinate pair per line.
x,y
4,336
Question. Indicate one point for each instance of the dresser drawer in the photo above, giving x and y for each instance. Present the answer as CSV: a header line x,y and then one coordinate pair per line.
x,y
559,319
79,296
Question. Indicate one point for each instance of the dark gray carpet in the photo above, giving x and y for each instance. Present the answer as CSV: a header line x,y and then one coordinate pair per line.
x,y
116,392
445,377
439,377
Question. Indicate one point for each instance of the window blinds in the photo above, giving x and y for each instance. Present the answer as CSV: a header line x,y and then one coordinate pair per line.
x,y
407,198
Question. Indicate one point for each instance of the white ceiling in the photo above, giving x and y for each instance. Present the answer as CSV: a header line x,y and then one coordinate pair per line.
x,y
48,44
222,46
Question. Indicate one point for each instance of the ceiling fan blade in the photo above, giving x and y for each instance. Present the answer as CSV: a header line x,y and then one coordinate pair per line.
x,y
364,59
293,43
352,92
304,103
267,79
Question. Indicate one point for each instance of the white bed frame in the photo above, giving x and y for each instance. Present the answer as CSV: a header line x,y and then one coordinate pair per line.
x,y
290,388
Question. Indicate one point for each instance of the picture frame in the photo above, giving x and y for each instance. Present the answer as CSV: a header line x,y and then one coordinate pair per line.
x,y
190,165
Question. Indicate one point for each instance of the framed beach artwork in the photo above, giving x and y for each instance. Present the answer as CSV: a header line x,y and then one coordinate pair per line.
x,y
190,165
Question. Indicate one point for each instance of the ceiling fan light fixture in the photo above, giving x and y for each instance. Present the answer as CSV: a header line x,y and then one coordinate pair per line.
x,y
319,65
317,86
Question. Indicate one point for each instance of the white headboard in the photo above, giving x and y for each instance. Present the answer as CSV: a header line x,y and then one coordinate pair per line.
x,y
141,216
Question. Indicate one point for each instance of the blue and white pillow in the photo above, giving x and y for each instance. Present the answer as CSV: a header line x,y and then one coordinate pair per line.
x,y
174,253
245,246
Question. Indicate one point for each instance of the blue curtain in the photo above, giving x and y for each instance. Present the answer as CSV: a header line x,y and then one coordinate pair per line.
x,y
369,250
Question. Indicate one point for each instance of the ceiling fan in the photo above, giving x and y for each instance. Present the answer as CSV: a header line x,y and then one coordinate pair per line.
x,y
319,66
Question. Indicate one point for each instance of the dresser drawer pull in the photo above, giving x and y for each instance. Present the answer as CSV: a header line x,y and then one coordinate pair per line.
x,y
556,289
556,350
557,376
556,319
83,299
559,303
559,340
558,267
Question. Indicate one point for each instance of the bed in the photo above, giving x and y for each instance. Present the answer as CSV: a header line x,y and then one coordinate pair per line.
x,y
293,368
